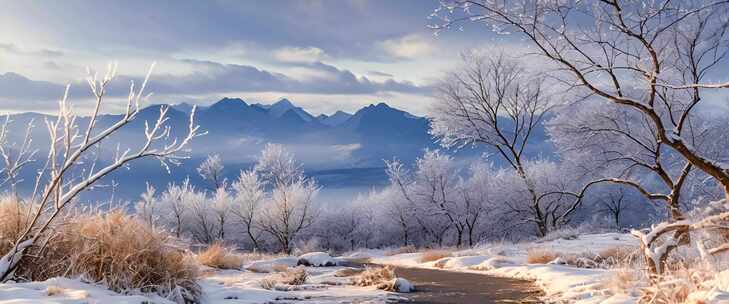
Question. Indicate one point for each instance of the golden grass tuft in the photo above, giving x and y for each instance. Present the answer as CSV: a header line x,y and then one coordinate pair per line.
x,y
218,256
117,250
53,290
375,276
280,268
291,276
15,217
607,258
540,256
434,255
348,272
401,250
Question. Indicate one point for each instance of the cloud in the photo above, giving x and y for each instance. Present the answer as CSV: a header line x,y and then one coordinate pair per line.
x,y
14,49
213,77
380,74
209,77
16,86
300,55
407,47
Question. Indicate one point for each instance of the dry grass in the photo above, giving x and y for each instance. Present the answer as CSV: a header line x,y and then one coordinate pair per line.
x,y
294,276
291,276
280,268
375,276
434,255
540,256
268,283
116,249
15,217
608,258
401,250
347,272
676,285
218,256
624,280
53,290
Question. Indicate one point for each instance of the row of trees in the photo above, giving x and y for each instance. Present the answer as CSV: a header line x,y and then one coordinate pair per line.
x,y
272,201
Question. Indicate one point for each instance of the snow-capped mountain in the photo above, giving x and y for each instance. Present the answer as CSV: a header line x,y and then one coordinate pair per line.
x,y
335,119
281,107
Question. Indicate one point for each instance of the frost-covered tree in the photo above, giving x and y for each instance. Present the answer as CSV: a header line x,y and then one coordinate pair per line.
x,y
146,207
248,197
174,207
211,170
492,101
651,57
289,209
440,198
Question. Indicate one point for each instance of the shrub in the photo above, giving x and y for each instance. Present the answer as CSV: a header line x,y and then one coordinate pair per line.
x,y
434,255
291,276
218,256
294,276
117,250
375,276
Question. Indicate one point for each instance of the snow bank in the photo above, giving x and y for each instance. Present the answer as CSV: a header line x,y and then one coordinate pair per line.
x,y
317,259
69,291
265,266
402,285
559,282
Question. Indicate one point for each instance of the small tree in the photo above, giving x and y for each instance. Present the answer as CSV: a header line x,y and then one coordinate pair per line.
x,y
211,170
249,194
290,208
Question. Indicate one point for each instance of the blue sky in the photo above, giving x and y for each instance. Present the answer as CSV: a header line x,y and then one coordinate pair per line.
x,y
323,55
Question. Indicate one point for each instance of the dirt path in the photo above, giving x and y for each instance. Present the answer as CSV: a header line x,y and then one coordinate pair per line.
x,y
441,287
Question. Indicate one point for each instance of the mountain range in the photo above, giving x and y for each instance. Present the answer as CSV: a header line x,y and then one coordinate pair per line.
x,y
342,150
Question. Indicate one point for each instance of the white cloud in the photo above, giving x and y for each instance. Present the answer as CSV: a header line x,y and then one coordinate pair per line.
x,y
300,55
407,47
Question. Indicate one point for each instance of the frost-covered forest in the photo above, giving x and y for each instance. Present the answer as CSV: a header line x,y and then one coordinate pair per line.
x,y
632,207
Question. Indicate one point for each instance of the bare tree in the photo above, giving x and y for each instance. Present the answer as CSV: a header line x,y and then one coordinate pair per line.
x,y
491,101
70,143
614,205
649,56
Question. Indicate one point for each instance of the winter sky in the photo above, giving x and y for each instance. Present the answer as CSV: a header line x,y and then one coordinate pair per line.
x,y
323,55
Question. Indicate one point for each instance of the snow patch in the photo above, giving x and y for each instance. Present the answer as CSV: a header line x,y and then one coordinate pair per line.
x,y
317,259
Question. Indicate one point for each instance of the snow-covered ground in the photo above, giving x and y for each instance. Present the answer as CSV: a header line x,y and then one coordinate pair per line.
x,y
559,282
219,286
